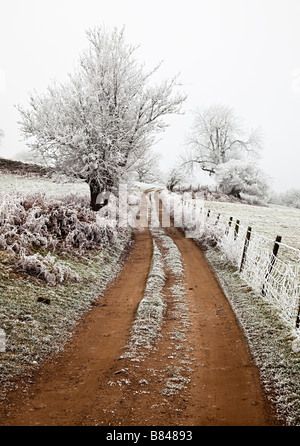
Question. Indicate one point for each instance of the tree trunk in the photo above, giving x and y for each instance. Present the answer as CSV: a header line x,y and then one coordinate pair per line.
x,y
97,201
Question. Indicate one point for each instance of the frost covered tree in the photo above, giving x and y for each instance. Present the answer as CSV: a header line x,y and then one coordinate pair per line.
x,y
147,168
217,137
174,177
243,179
98,123
290,198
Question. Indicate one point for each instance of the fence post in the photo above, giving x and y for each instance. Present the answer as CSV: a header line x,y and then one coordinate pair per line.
x,y
272,262
298,319
208,214
247,240
236,229
217,220
229,225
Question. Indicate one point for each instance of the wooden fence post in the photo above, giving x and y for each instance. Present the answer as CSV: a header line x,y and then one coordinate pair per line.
x,y
272,262
244,256
229,225
298,318
236,229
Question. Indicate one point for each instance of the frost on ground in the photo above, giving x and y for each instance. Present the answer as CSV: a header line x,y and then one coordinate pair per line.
x,y
269,221
272,343
147,325
55,260
12,184
150,317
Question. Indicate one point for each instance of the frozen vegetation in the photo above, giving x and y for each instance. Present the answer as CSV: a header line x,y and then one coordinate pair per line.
x,y
14,184
149,317
34,228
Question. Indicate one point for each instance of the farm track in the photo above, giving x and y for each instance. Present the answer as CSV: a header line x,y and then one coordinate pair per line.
x,y
197,374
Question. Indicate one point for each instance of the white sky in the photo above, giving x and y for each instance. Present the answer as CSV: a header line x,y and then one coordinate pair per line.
x,y
240,53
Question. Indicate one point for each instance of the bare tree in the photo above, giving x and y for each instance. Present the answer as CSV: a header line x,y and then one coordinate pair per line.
x,y
104,118
217,137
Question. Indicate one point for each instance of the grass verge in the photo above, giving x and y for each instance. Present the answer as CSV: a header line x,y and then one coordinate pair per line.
x,y
38,319
271,342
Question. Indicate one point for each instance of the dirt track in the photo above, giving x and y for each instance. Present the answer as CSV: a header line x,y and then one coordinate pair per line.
x,y
92,383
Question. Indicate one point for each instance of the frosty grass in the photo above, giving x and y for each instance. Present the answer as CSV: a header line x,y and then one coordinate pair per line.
x,y
270,341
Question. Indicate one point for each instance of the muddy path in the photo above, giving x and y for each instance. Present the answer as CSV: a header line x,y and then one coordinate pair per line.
x,y
185,362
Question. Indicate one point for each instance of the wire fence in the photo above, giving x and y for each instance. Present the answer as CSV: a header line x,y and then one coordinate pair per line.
x,y
270,267
259,265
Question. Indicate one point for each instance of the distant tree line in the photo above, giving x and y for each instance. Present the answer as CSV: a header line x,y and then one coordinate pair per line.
x,y
290,198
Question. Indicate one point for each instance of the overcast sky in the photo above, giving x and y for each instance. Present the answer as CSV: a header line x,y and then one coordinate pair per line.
x,y
240,53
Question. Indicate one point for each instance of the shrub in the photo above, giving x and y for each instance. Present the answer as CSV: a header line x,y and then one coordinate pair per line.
x,y
35,225
244,180
46,268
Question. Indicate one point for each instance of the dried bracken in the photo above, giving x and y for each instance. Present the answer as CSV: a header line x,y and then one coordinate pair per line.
x,y
34,225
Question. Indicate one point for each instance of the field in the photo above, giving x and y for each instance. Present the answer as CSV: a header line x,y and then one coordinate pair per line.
x,y
269,221
10,183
